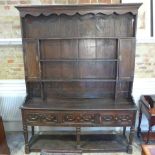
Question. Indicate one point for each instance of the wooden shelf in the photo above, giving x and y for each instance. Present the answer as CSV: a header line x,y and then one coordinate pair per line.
x,y
77,60
89,143
81,80
78,80
77,38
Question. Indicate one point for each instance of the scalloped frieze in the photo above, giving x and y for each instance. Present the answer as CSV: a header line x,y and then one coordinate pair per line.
x,y
70,10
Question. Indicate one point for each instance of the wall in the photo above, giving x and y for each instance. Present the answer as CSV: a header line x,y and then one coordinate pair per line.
x,y
145,60
11,62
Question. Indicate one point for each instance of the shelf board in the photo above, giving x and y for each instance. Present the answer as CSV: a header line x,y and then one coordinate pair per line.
x,y
78,80
128,79
89,143
81,104
123,91
77,60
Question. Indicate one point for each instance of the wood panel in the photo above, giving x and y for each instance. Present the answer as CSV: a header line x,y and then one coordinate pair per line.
x,y
106,48
31,59
126,65
79,49
88,25
34,89
124,25
105,25
79,89
124,89
50,49
70,26
69,49
49,26
4,149
87,49
97,70
59,70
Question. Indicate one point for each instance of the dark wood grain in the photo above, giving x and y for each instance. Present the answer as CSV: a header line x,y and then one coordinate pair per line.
x,y
4,149
79,66
127,54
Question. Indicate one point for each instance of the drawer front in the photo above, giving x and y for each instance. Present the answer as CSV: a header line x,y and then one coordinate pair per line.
x,y
79,118
41,118
117,118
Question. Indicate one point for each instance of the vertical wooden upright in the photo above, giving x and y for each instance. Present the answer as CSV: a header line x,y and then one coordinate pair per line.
x,y
4,149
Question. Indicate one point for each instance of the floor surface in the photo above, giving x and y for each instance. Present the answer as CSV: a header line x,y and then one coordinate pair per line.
x,y
16,145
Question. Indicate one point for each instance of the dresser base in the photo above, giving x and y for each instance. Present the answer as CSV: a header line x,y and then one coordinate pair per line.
x,y
81,115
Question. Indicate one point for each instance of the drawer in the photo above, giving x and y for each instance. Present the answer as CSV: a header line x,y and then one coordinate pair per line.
x,y
41,118
79,118
117,118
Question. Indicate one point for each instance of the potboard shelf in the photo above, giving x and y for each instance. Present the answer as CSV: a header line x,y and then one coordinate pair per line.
x,y
89,143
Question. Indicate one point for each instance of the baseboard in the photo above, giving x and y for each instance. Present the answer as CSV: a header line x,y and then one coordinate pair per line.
x,y
12,88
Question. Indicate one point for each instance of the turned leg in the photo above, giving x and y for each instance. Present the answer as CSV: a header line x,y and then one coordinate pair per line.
x,y
139,123
148,133
131,136
78,131
27,150
124,130
32,127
